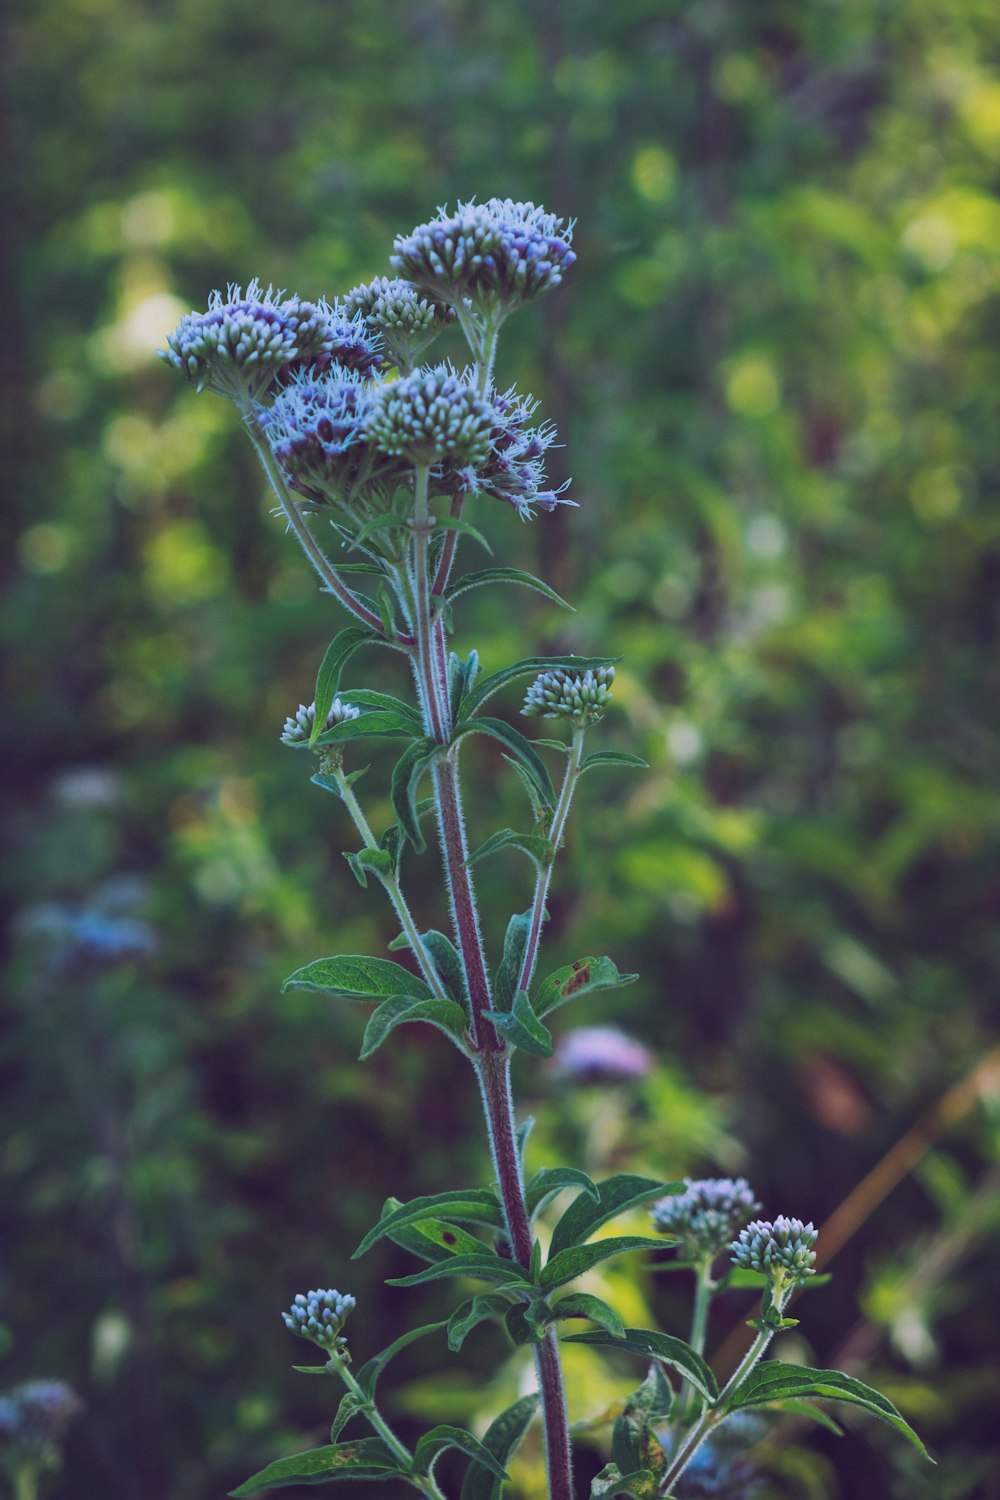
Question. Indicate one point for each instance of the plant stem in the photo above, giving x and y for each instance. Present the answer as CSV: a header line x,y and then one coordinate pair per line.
x,y
392,888
304,536
367,1405
544,880
433,687
704,1288
26,1482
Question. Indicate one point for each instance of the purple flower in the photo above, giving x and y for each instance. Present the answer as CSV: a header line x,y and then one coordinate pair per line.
x,y
784,1248
706,1215
431,417
316,431
406,321
592,1054
514,469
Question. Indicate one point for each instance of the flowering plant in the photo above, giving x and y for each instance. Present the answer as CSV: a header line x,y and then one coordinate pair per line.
x,y
355,435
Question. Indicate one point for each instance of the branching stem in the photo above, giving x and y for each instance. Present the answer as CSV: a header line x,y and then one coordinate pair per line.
x,y
544,879
367,1407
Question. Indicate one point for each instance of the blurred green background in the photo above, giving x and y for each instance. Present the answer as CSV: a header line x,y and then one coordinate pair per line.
x,y
775,372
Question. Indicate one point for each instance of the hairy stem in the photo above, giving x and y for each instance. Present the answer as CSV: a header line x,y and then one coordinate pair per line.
x,y
704,1288
434,688
338,1365
544,880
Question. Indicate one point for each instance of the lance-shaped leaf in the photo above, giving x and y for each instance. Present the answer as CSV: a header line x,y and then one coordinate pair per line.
x,y
385,702
448,964
517,746
465,528
577,1259
514,943
368,1375
464,1206
415,760
461,676
615,1196
503,575
469,1315
613,758
532,664
521,1027
484,1267
433,1240
641,1484
447,1015
581,978
350,1406
338,653
500,1440
659,1346
550,1180
368,1458
353,976
433,1444
775,1381
538,849
583,1305
372,723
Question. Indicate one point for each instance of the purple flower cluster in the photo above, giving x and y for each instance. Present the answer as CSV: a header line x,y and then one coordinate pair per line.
x,y
319,1316
601,1054
433,416
36,1414
706,1215
316,431
783,1248
514,470
406,321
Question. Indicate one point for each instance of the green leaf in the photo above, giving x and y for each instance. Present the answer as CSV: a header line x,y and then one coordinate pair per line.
x,y
466,1317
358,977
550,1180
810,1413
577,1259
775,1381
538,849
461,676
641,1484
583,1305
615,1196
455,523
525,1128
410,767
371,723
532,665
484,1267
500,1440
509,969
465,1206
659,1346
448,963
385,703
338,653
613,758
521,1330
368,1458
433,1444
518,746
503,575
521,1027
369,1373
386,522
350,1406
581,978
447,1015
435,1241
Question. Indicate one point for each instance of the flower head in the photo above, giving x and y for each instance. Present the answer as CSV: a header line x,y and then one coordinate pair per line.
x,y
299,726
406,321
580,697
514,468
783,1248
36,1414
500,252
430,417
319,1316
243,346
601,1053
706,1215
316,431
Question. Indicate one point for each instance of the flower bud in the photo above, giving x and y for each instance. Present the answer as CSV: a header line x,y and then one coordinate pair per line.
x,y
580,697
299,726
319,1316
406,321
706,1215
429,417
783,1248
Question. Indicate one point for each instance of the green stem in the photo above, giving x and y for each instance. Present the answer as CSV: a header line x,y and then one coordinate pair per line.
x,y
544,879
367,1405
704,1289
433,688
392,888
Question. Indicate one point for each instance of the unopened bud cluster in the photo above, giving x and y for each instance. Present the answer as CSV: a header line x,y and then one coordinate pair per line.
x,y
299,726
784,1247
429,417
706,1215
580,697
406,320
319,1316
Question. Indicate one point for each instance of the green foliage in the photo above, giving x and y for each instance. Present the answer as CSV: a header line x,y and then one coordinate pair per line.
x,y
368,1458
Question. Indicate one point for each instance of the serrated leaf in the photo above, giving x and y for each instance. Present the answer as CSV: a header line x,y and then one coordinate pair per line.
x,y
533,664
464,1205
352,976
369,1373
580,978
577,1259
538,849
503,575
500,1440
479,1309
521,1027
518,746
433,1444
616,1195
338,653
368,1458
447,1015
485,1267
583,1305
659,1346
412,764
550,1180
613,758
776,1380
